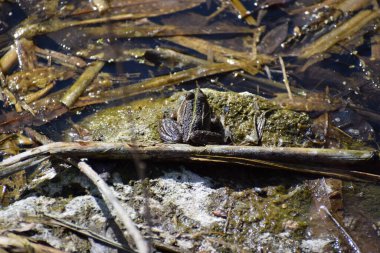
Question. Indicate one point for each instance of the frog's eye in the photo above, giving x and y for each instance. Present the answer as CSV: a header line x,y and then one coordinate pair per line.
x,y
190,96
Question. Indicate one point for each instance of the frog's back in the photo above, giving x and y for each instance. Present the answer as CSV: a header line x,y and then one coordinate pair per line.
x,y
196,114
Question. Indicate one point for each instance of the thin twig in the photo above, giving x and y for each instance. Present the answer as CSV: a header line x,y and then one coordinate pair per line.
x,y
120,212
345,234
57,222
286,81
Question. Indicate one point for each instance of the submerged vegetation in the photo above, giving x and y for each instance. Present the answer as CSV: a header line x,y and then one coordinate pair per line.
x,y
294,85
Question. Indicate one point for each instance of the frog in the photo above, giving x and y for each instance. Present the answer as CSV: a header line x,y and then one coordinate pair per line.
x,y
194,122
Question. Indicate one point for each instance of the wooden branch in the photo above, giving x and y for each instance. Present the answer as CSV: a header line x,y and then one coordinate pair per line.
x,y
117,208
340,159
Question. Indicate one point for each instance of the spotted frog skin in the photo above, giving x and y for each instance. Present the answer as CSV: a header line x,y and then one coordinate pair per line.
x,y
193,122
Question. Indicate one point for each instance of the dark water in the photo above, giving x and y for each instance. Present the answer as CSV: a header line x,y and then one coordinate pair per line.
x,y
347,73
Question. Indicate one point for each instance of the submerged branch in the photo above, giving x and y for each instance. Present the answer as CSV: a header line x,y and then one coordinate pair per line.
x,y
160,82
8,60
116,11
54,25
222,54
244,13
76,90
345,31
154,30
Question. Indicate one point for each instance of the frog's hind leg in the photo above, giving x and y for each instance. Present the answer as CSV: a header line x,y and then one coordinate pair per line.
x,y
203,137
170,131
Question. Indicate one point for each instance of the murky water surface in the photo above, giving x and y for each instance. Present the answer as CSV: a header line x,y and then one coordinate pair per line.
x,y
140,56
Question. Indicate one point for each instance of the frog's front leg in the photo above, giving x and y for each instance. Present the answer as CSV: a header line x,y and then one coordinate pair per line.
x,y
203,137
217,127
170,131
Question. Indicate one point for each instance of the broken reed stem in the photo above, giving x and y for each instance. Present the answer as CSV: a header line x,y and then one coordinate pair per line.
x,y
76,90
375,47
31,30
168,80
353,5
286,81
222,54
61,58
31,97
155,30
244,13
119,211
185,59
340,33
8,60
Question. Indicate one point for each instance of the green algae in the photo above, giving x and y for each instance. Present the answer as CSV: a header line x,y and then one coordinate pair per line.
x,y
285,128
239,111
279,210
251,213
139,120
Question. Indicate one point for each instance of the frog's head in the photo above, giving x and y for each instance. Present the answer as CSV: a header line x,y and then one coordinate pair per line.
x,y
196,94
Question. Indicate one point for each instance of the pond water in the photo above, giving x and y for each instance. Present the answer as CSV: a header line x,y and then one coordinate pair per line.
x,y
150,52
